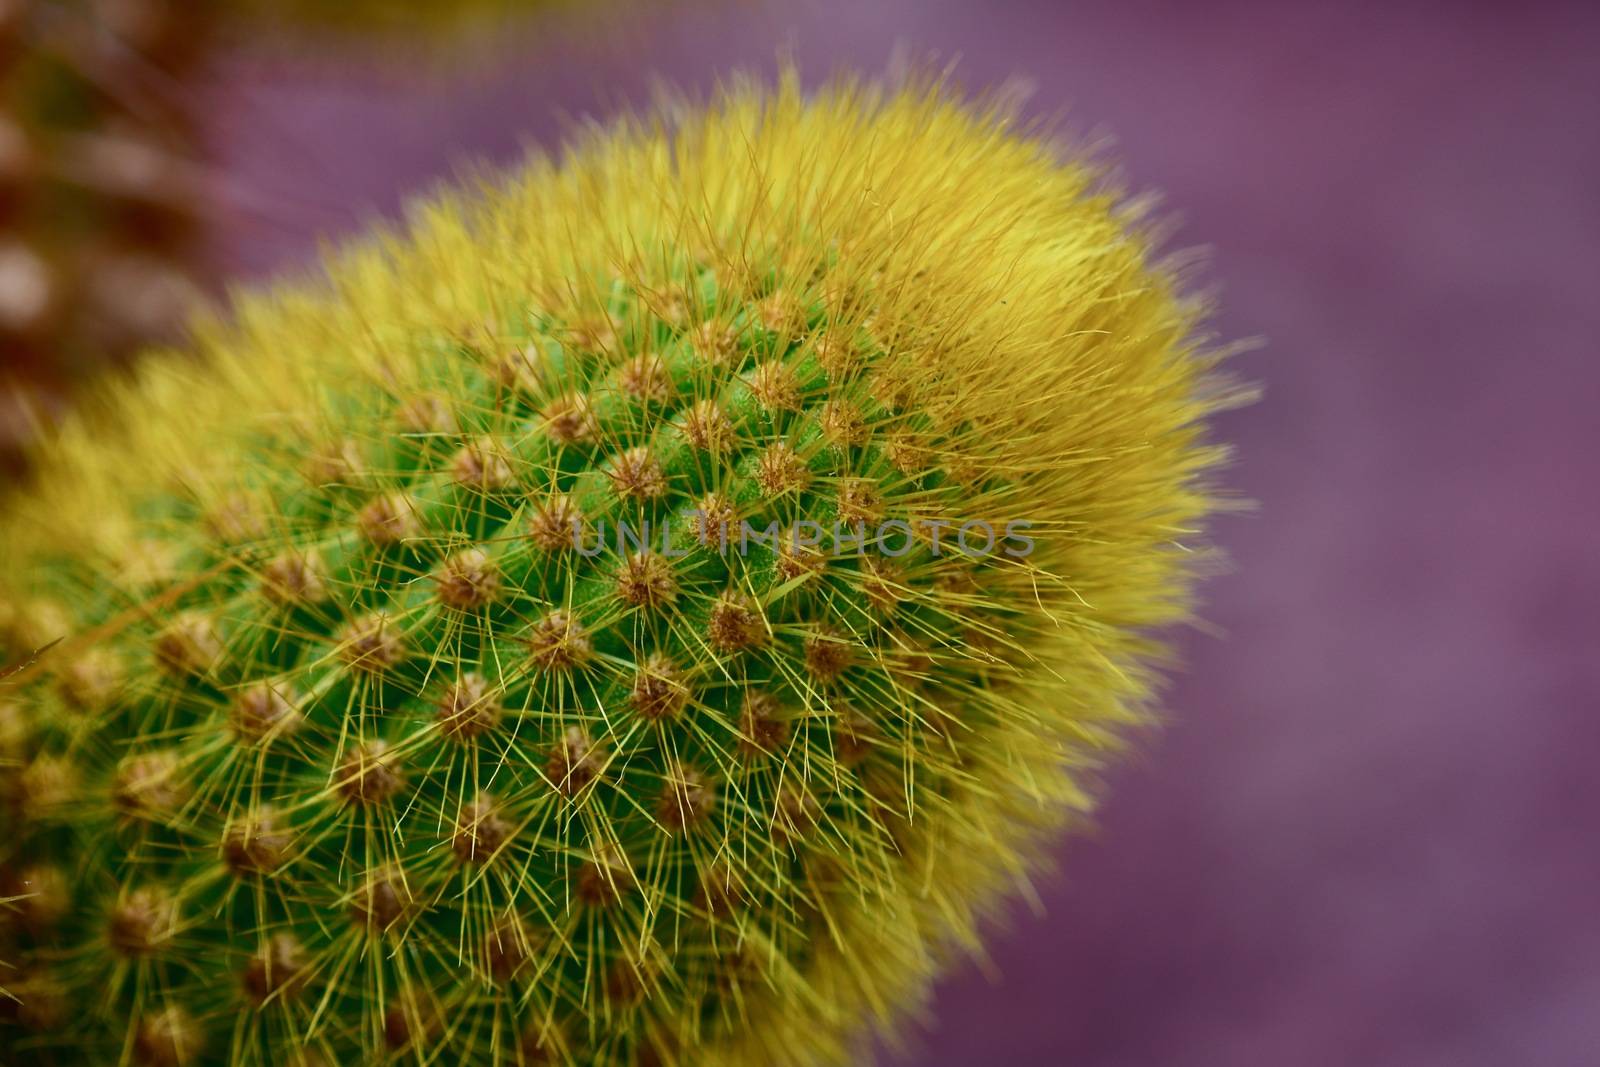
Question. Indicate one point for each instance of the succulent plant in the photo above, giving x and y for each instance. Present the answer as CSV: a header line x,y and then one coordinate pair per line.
x,y
649,609
106,190
367,16
100,194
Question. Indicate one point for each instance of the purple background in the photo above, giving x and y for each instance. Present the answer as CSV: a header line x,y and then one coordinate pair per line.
x,y
1369,835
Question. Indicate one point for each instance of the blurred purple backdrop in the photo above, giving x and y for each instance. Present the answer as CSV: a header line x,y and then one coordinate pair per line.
x,y
1369,835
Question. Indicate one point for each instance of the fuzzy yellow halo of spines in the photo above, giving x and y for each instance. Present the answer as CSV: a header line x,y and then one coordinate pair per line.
x,y
307,694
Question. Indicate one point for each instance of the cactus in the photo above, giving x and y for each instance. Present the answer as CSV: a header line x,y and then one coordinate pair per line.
x,y
339,727
105,189
101,195
386,17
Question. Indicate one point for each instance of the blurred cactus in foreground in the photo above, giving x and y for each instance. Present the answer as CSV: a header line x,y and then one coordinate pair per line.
x,y
648,610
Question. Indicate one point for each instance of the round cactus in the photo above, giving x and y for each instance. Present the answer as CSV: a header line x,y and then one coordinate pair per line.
x,y
647,611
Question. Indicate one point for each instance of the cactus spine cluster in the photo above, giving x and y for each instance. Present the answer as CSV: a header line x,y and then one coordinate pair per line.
x,y
325,741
